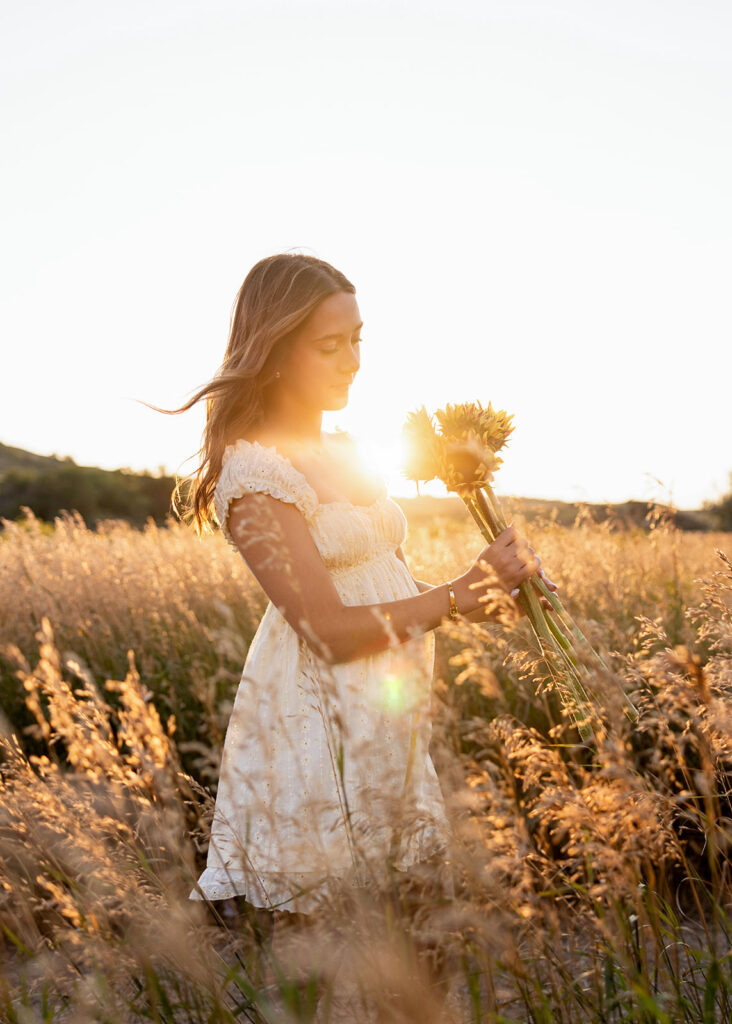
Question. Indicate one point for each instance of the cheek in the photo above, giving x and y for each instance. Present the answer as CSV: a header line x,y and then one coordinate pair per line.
x,y
308,372
316,369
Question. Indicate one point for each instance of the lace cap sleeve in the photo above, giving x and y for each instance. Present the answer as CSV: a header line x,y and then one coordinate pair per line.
x,y
249,467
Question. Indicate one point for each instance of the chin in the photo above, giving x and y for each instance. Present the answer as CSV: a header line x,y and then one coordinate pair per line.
x,y
334,404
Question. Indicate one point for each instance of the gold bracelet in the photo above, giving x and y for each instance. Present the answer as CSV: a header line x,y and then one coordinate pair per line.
x,y
453,604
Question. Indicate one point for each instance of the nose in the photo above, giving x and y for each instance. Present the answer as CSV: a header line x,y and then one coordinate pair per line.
x,y
351,359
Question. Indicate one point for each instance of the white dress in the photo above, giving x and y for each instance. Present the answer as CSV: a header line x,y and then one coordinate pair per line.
x,y
325,769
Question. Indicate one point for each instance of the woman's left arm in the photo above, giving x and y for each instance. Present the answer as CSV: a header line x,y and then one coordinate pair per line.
x,y
477,616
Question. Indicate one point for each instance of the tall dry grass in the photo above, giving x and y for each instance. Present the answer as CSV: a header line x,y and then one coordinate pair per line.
x,y
187,609
590,884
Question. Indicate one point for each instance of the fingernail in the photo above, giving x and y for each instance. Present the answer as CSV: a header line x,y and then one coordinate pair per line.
x,y
515,592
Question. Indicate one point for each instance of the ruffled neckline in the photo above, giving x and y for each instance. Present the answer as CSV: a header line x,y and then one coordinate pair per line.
x,y
242,441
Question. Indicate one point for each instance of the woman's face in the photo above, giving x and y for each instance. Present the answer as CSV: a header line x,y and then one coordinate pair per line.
x,y
324,357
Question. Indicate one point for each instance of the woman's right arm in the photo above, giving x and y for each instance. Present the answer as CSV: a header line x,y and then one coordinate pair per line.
x,y
275,542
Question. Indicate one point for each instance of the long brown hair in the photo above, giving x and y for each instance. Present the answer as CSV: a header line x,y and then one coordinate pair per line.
x,y
277,295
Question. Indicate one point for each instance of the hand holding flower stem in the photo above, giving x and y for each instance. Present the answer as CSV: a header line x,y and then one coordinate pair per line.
x,y
463,454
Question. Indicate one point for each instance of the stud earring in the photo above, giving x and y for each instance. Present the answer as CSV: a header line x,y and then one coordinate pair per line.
x,y
277,374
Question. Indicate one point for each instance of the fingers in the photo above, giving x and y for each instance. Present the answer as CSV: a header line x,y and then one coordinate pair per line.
x,y
549,583
520,605
513,565
505,539
514,560
510,537
545,602
515,538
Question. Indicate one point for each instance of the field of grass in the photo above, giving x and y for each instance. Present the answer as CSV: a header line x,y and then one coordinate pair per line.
x,y
591,884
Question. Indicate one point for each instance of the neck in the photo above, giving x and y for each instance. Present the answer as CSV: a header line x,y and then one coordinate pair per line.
x,y
287,418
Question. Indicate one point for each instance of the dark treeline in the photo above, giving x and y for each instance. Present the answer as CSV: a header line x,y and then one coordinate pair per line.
x,y
49,486
721,511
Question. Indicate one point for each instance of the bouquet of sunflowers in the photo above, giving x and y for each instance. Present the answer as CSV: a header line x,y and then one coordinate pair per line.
x,y
461,449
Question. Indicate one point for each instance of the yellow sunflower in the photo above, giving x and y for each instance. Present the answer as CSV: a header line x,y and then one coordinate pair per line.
x,y
423,445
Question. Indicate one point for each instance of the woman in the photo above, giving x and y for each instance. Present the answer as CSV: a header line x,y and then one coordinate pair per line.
x,y
325,772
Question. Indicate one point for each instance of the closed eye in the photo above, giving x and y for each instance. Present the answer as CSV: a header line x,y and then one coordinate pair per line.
x,y
331,349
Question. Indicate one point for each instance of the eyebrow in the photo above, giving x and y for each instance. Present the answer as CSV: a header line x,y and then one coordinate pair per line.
x,y
330,337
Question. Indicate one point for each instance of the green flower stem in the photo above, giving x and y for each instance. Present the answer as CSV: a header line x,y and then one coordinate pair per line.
x,y
548,632
581,640
468,498
488,500
489,506
489,509
550,646
491,524
545,628
491,501
567,620
564,642
555,647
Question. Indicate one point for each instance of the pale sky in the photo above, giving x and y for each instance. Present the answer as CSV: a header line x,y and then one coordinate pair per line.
x,y
532,199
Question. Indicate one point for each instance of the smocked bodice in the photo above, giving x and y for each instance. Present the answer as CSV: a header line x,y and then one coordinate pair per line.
x,y
345,534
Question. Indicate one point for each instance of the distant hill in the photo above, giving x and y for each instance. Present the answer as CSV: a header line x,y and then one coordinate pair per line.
x,y
625,515
18,458
47,485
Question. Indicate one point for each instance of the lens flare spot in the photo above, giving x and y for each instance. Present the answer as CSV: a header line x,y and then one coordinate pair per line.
x,y
393,693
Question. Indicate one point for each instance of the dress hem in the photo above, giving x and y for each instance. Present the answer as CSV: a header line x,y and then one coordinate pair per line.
x,y
296,891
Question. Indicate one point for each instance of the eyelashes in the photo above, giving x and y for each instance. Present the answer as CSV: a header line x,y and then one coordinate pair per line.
x,y
334,349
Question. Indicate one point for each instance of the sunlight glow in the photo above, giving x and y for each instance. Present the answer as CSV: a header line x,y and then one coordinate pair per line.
x,y
383,458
